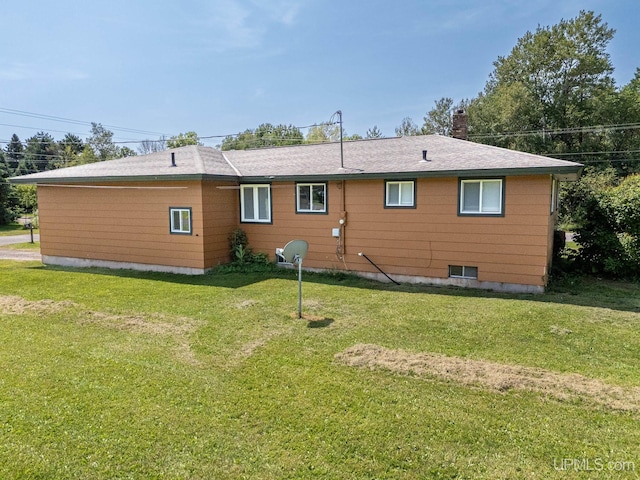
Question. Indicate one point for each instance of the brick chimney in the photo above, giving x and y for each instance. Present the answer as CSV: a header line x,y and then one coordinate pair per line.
x,y
459,129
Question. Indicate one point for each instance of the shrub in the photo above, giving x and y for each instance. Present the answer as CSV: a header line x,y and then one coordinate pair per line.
x,y
609,229
242,257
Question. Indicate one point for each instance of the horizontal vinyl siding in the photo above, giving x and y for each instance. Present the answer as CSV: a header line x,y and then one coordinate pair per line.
x,y
220,214
421,241
121,224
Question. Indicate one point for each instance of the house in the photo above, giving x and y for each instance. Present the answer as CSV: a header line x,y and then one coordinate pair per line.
x,y
428,208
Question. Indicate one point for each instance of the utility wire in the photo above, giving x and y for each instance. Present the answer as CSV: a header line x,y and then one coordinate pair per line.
x,y
54,118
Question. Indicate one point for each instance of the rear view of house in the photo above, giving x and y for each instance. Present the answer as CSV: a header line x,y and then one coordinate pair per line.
x,y
424,209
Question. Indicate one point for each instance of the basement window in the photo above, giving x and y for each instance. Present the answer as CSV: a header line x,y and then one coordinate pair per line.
x,y
459,271
180,220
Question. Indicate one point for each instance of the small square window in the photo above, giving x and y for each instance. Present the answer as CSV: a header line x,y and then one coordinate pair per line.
x,y
180,220
400,194
311,198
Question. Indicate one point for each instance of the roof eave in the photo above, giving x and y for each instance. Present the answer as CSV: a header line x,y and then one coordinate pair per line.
x,y
116,178
568,173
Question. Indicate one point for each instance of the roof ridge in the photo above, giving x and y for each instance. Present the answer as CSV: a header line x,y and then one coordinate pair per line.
x,y
230,164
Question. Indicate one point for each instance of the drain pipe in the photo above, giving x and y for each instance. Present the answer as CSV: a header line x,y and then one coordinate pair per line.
x,y
379,269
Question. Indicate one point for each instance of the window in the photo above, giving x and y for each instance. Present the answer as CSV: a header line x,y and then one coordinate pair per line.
x,y
459,271
311,198
180,219
481,197
255,203
400,194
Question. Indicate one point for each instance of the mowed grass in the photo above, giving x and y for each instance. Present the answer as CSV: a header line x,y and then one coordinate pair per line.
x,y
134,375
15,229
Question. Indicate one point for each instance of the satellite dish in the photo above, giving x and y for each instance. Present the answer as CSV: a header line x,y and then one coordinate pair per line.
x,y
295,251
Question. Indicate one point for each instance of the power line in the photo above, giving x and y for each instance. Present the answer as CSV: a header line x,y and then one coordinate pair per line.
x,y
559,131
54,118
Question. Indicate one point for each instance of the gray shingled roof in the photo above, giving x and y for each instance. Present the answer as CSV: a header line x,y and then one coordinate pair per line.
x,y
386,157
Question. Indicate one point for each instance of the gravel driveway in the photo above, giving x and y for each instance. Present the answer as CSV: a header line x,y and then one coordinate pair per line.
x,y
11,254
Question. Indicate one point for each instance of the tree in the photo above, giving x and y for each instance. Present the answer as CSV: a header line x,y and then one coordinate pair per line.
x,y
14,153
553,82
40,154
608,213
373,132
26,197
439,120
68,150
126,152
7,214
152,146
407,128
266,135
325,132
101,143
183,139
354,136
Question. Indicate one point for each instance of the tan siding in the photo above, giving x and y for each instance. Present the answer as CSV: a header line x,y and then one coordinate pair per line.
x,y
422,241
130,225
221,213
121,224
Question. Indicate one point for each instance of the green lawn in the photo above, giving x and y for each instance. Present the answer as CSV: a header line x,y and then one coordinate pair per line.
x,y
14,229
131,375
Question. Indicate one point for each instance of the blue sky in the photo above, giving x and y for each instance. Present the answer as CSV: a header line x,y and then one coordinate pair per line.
x,y
221,66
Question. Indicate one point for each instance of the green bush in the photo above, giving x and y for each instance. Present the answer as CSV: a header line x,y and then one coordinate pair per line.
x,y
242,257
609,219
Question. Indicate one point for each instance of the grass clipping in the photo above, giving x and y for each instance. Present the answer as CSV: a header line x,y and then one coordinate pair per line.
x,y
178,329
495,376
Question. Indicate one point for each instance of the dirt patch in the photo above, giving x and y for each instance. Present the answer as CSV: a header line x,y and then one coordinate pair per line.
x,y
156,324
13,305
246,304
560,330
179,329
495,376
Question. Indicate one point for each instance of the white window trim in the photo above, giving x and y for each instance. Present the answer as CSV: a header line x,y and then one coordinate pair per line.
x,y
256,204
412,185
464,275
181,228
480,211
310,209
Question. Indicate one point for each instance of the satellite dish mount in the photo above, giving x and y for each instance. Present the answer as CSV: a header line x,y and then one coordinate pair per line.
x,y
294,252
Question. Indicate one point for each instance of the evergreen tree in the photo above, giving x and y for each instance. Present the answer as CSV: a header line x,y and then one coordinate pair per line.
x,y
14,153
373,132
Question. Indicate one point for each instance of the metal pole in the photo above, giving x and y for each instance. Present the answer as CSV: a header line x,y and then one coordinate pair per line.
x,y
31,230
299,288
339,112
